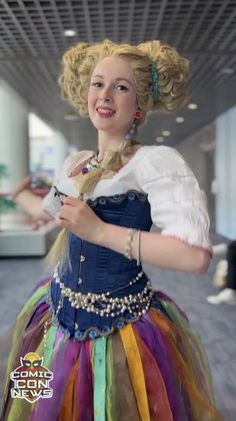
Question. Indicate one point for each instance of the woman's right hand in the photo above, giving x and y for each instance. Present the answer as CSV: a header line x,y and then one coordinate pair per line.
x,y
24,184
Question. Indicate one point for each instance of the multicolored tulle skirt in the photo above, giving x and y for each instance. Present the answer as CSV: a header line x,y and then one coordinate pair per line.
x,y
153,369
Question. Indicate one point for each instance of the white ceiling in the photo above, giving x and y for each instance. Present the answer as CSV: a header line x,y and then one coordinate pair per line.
x,y
32,42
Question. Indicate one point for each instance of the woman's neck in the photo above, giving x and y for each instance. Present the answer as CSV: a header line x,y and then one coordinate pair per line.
x,y
108,142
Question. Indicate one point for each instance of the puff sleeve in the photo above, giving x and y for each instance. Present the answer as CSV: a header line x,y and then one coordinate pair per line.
x,y
178,205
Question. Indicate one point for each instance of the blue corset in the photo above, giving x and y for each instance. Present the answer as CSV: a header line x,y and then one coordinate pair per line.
x,y
97,269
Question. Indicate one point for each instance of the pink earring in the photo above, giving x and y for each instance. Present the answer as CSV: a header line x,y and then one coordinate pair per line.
x,y
138,115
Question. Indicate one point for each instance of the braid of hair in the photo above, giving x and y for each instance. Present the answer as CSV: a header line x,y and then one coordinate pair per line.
x,y
112,162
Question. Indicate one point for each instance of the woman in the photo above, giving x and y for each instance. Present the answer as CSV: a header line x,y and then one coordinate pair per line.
x,y
118,349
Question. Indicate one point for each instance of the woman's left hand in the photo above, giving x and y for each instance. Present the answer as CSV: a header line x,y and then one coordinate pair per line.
x,y
76,216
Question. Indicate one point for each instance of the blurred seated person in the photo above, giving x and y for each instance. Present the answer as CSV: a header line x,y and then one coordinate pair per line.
x,y
228,294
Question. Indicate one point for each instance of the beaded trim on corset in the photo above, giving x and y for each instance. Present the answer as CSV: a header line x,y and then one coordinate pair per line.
x,y
93,332
118,198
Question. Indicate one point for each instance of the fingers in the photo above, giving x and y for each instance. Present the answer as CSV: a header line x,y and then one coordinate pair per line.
x,y
70,210
71,213
71,201
63,223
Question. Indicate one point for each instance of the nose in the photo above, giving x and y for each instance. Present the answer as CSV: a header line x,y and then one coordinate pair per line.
x,y
105,95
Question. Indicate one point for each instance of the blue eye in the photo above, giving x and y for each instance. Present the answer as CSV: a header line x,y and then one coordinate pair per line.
x,y
123,87
96,84
118,87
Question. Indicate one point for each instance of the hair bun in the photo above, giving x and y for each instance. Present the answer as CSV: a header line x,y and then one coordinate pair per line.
x,y
172,72
69,80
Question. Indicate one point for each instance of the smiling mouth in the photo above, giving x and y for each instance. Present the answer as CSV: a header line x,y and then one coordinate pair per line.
x,y
105,112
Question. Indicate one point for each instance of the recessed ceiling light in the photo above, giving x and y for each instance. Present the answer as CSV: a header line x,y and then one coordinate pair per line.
x,y
192,106
71,117
227,70
160,139
165,133
70,33
179,119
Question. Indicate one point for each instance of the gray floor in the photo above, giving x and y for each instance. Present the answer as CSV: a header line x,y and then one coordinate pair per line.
x,y
215,324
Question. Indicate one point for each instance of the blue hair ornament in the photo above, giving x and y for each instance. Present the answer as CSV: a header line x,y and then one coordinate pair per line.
x,y
154,79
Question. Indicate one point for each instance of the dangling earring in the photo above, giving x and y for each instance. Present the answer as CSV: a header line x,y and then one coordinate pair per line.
x,y
132,133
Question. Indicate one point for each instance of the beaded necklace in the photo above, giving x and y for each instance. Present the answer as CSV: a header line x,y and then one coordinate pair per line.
x,y
89,166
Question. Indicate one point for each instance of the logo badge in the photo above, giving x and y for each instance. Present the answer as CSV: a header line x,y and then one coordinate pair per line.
x,y
31,379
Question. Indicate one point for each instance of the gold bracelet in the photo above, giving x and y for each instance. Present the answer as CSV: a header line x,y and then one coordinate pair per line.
x,y
139,249
128,246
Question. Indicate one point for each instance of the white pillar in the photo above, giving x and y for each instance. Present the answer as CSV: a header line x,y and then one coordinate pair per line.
x,y
225,174
61,150
14,145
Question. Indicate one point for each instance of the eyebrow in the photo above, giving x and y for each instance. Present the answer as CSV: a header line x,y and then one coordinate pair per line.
x,y
116,79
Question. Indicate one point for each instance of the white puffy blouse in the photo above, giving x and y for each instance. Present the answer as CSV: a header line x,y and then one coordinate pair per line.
x,y
178,205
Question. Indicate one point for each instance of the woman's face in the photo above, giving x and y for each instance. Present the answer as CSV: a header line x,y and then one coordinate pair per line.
x,y
112,96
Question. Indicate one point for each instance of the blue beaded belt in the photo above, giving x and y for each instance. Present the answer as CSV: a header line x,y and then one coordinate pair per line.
x,y
105,305
125,309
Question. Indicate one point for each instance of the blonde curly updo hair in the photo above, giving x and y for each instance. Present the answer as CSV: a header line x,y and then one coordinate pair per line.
x,y
172,71
78,65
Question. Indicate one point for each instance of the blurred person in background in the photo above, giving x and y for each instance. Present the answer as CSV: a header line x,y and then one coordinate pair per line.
x,y
228,294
